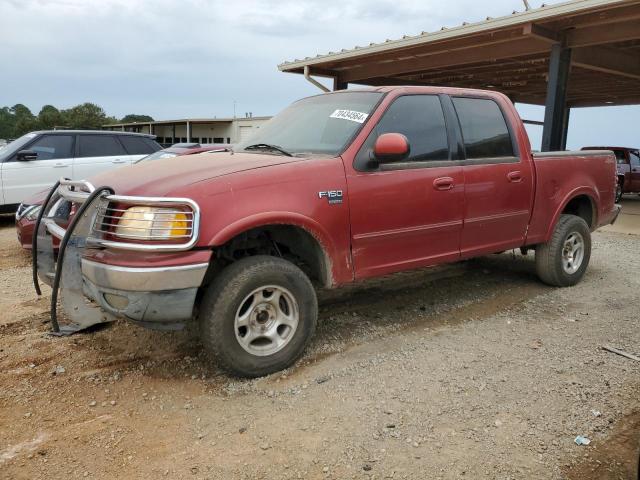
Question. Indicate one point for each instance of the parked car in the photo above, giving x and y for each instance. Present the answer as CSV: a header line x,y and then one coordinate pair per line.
x,y
180,149
628,160
337,188
37,160
28,211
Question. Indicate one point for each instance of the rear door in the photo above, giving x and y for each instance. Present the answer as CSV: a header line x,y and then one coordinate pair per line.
x,y
136,147
97,153
407,214
498,179
21,179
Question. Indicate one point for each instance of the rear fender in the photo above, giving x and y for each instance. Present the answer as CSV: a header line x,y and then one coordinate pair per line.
x,y
590,193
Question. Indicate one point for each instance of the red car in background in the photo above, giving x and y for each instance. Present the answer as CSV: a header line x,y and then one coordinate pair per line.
x,y
628,169
28,210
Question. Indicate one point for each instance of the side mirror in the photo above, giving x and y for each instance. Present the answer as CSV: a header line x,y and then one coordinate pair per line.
x,y
391,147
26,155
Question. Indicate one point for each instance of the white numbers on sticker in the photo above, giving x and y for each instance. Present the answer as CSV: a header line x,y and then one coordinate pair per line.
x,y
350,115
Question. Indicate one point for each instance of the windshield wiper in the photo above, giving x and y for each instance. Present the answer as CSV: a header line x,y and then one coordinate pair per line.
x,y
267,146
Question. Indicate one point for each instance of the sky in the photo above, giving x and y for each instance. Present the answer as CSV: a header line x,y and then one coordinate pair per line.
x,y
197,58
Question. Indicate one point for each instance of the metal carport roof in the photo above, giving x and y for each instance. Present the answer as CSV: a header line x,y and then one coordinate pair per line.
x,y
596,41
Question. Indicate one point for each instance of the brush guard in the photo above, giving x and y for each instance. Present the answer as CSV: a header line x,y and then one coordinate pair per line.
x,y
63,272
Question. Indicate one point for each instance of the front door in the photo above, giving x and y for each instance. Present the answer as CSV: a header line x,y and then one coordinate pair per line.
x,y
21,179
498,179
409,214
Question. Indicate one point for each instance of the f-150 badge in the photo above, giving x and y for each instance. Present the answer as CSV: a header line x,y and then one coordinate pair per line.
x,y
333,196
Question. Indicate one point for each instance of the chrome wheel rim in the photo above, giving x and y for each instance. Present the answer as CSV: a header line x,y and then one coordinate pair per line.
x,y
572,253
266,320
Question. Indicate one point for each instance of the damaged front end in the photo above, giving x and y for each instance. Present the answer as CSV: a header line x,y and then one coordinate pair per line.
x,y
89,292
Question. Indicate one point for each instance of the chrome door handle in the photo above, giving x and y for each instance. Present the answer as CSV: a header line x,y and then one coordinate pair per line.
x,y
117,160
443,183
60,165
514,177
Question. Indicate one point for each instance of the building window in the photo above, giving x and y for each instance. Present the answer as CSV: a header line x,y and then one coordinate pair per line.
x,y
218,140
228,140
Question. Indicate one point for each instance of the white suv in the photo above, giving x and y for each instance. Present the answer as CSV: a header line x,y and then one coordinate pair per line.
x,y
37,160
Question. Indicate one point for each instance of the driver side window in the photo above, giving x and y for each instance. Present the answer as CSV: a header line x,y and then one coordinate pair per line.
x,y
635,159
53,147
420,118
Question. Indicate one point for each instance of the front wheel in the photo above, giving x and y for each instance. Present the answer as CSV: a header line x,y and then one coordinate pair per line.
x,y
258,316
563,260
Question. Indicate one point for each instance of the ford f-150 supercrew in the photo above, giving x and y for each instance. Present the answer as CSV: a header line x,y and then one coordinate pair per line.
x,y
337,188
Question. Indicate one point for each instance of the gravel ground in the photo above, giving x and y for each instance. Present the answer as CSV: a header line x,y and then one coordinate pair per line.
x,y
474,370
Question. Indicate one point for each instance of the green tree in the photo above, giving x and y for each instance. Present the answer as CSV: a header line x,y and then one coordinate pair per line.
x,y
49,117
24,121
7,123
87,116
132,117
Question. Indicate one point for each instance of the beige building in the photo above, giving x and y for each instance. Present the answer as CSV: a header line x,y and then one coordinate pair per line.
x,y
199,130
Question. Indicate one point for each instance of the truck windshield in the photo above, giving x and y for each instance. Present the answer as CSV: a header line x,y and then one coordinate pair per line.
x,y
323,124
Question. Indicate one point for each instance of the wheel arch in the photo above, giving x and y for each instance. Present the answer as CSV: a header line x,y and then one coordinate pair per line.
x,y
582,203
293,235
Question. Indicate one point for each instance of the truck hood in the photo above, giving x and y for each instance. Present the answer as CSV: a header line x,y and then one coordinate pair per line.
x,y
160,177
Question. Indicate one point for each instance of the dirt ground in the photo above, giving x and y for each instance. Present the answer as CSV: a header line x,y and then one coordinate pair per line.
x,y
472,371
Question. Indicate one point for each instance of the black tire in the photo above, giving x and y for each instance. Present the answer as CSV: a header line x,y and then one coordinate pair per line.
x,y
549,256
618,192
228,294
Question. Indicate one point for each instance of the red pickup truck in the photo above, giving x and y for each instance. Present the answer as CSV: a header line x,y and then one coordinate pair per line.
x,y
337,188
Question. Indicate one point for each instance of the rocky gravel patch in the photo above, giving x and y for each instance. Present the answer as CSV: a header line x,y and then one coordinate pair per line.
x,y
471,371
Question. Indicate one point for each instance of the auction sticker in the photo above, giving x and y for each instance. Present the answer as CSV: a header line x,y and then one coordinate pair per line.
x,y
350,115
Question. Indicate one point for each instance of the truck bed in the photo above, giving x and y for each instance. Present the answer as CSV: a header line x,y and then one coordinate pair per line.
x,y
560,176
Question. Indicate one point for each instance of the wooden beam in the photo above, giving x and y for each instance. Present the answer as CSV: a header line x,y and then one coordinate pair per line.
x,y
598,35
449,45
507,49
541,33
607,60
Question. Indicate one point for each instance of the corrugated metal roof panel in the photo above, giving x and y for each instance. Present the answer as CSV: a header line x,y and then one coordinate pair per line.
x,y
545,12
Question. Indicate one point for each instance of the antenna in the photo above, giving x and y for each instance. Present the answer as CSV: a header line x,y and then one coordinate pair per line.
x,y
527,7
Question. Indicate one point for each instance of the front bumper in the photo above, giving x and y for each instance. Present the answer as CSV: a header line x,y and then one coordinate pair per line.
x,y
151,296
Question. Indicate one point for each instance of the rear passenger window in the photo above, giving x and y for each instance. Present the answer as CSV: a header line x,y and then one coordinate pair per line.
x,y
52,147
100,146
136,145
152,144
635,159
484,128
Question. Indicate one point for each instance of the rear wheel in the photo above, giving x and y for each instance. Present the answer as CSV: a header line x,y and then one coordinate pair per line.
x,y
563,260
258,316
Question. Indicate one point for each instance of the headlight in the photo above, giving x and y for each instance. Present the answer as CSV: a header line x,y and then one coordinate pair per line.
x,y
30,212
154,223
